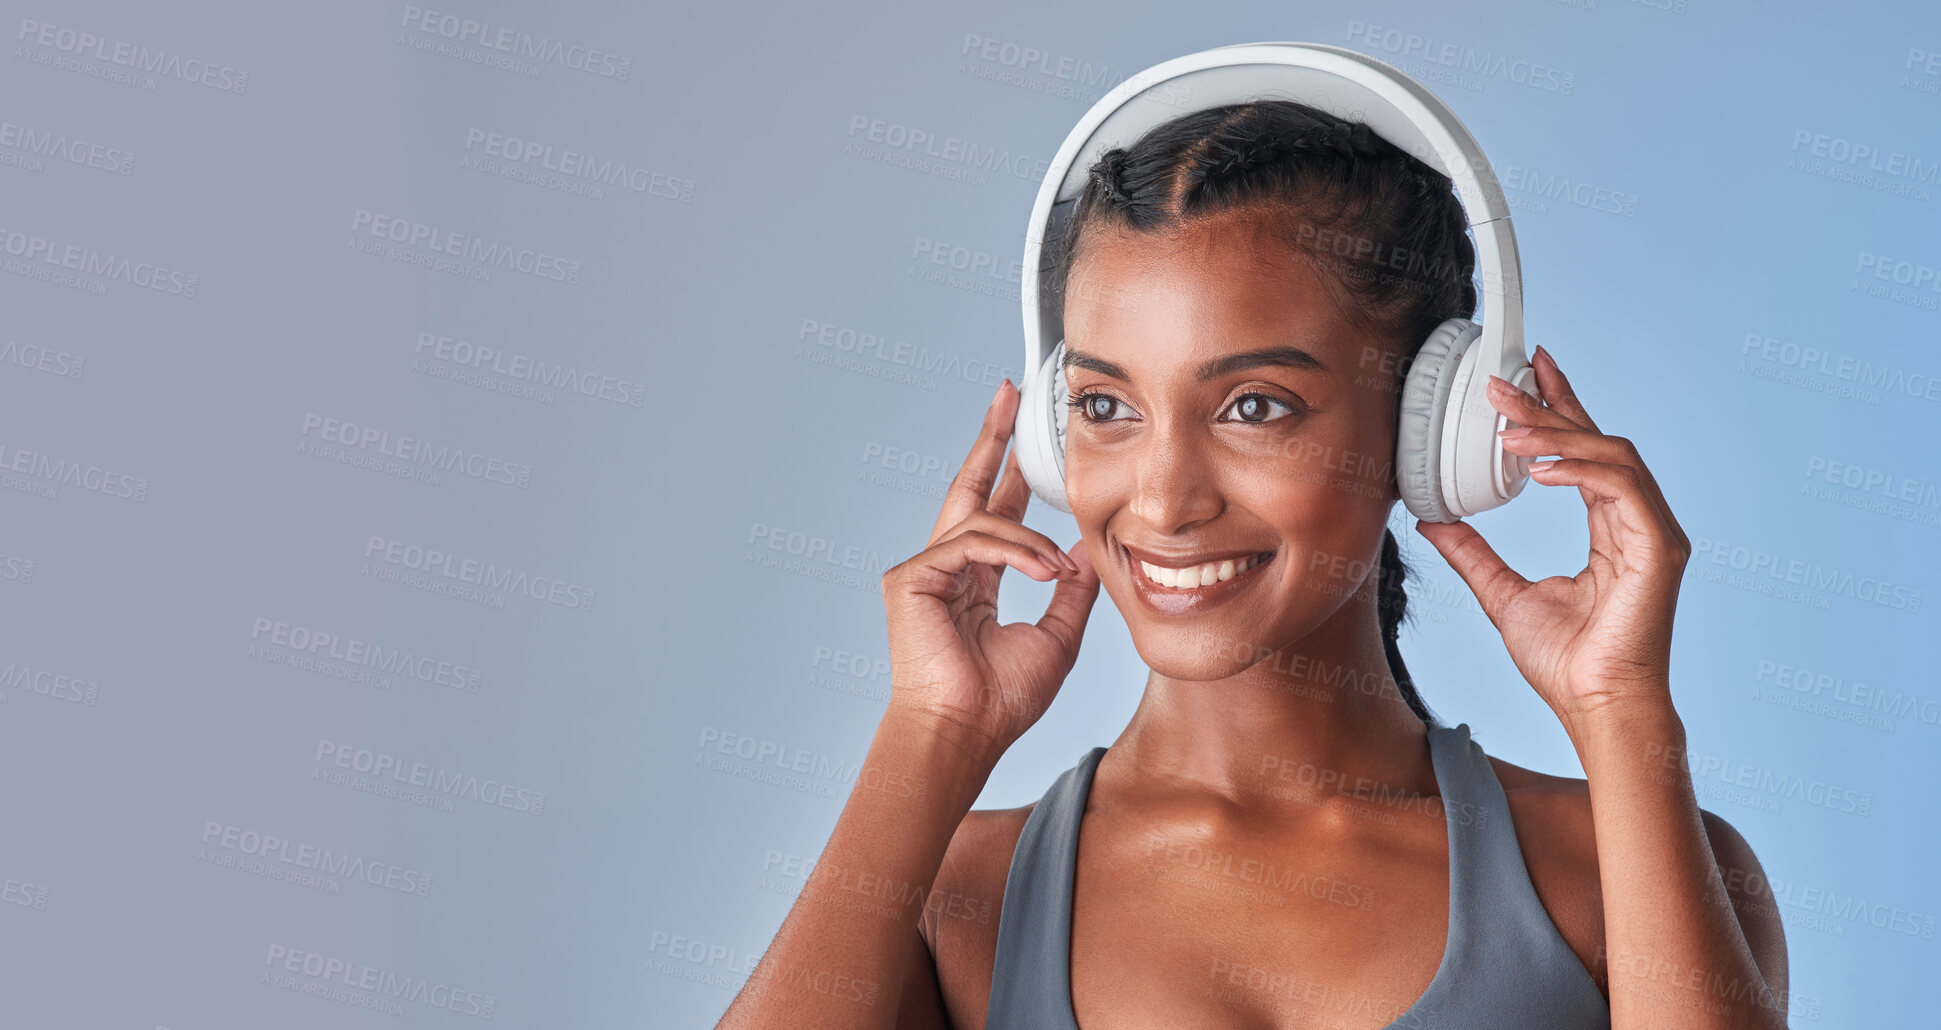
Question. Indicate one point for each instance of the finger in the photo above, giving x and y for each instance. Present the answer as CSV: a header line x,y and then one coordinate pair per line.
x,y
1523,409
1008,501
939,570
1534,441
1488,575
970,489
1621,486
1072,600
1556,389
1563,397
999,526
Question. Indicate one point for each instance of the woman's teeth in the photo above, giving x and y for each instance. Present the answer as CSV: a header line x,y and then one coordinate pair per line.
x,y
1201,575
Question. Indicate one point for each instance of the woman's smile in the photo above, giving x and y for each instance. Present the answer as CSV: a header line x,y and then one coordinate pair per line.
x,y
1192,584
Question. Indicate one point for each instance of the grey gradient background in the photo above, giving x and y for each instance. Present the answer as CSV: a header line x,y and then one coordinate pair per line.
x,y
580,849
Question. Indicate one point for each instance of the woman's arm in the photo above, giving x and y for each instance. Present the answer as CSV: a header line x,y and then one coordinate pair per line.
x,y
962,689
1677,950
1597,648
840,957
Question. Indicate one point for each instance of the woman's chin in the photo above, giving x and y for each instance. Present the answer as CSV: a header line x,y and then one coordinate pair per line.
x,y
1197,653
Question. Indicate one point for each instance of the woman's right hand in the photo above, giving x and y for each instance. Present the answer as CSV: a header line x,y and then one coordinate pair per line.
x,y
949,658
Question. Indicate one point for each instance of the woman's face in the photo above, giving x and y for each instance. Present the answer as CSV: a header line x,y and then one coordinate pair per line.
x,y
1239,414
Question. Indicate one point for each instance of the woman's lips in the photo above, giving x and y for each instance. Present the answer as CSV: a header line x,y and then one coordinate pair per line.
x,y
1181,600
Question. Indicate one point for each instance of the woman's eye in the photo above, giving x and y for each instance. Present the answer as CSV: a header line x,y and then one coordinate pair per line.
x,y
1095,407
1257,407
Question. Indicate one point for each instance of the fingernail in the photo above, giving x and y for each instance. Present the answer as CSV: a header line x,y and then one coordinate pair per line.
x,y
1516,433
999,393
1545,354
1539,466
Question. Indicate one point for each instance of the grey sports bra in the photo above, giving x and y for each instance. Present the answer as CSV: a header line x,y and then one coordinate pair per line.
x,y
1504,965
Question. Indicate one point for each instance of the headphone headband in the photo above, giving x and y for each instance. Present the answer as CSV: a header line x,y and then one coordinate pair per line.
x,y
1344,83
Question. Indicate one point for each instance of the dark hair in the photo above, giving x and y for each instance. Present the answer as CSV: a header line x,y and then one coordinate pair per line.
x,y
1324,183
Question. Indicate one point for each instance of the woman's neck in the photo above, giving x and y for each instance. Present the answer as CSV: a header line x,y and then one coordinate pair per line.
x,y
1319,716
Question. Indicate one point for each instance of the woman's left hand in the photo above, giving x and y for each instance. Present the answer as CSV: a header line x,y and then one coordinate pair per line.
x,y
1602,637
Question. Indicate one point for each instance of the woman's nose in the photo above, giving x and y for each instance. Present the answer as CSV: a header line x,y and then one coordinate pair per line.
x,y
1175,486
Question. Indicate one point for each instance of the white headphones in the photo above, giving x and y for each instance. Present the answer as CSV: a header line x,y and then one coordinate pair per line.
x,y
1449,462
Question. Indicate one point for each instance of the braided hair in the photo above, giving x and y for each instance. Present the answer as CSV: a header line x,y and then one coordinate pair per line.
x,y
1320,180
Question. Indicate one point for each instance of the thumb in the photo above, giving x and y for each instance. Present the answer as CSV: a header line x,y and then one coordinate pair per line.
x,y
1488,575
1072,599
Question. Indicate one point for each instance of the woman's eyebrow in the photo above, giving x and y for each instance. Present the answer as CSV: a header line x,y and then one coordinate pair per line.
x,y
1288,357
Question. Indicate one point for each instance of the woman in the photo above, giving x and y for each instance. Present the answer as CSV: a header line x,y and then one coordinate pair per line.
x,y
1284,835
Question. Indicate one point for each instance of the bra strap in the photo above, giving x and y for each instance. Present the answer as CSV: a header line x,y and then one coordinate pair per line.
x,y
1031,979
1496,920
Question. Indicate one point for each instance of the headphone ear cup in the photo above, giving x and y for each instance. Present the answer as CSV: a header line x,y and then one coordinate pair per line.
x,y
1422,415
1039,433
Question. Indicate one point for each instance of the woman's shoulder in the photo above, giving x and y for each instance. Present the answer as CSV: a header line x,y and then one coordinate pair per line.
x,y
1562,805
976,864
1552,819
960,915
